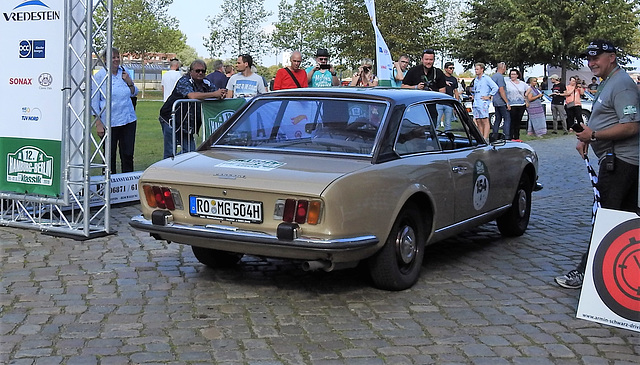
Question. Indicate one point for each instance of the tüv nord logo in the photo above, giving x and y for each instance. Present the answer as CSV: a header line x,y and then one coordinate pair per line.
x,y
31,11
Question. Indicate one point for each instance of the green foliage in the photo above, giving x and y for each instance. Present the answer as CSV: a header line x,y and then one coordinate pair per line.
x,y
143,26
237,29
344,27
527,32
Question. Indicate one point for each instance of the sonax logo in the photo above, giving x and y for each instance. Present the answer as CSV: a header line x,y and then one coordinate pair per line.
x,y
32,11
30,165
32,49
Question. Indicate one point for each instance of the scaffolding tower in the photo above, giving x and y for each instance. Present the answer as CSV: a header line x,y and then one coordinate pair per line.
x,y
81,210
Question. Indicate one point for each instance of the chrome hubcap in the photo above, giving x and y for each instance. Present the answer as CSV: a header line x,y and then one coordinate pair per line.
x,y
406,244
522,202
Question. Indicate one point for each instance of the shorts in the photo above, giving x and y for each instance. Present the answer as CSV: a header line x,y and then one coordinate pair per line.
x,y
481,109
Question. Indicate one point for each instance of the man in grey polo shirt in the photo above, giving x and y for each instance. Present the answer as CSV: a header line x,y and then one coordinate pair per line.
x,y
501,103
613,134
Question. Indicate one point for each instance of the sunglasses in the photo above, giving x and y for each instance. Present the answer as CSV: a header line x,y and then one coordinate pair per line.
x,y
323,58
199,71
451,68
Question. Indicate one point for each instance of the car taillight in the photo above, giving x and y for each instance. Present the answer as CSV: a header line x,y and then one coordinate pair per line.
x,y
298,211
162,197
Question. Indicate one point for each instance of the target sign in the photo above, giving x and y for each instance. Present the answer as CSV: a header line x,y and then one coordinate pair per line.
x,y
616,270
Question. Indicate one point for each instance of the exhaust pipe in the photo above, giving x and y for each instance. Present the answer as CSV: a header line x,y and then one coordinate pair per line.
x,y
317,265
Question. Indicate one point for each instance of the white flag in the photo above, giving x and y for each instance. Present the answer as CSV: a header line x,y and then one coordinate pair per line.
x,y
384,62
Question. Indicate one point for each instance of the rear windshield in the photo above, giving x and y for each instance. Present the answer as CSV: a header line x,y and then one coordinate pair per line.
x,y
314,125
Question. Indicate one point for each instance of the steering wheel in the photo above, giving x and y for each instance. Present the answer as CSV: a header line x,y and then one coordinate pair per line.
x,y
364,125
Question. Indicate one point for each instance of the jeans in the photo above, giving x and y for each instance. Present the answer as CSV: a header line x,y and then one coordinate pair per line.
x,y
618,190
124,138
172,139
447,111
502,113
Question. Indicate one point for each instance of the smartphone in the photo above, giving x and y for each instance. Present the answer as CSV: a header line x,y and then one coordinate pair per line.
x,y
325,66
577,127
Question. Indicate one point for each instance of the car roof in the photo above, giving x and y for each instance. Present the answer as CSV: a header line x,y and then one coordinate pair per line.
x,y
394,95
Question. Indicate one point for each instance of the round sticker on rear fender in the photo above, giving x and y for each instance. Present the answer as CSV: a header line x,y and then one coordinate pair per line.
x,y
480,185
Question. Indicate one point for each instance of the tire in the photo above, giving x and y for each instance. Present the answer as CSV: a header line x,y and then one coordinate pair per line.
x,y
515,220
397,265
215,258
585,115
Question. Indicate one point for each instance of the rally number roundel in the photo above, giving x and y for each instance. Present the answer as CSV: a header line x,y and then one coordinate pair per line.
x,y
616,270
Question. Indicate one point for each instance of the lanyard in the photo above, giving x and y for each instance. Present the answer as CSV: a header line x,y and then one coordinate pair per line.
x,y
603,83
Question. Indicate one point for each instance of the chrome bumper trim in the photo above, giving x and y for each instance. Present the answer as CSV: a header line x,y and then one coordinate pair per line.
x,y
225,234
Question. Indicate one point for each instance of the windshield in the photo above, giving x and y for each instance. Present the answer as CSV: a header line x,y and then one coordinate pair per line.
x,y
320,125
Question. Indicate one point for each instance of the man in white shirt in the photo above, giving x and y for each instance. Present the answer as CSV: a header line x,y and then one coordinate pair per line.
x,y
245,83
170,78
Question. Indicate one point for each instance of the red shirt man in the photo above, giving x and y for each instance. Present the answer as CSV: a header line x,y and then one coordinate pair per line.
x,y
283,77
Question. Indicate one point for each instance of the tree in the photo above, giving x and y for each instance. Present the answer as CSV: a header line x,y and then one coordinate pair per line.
x,y
406,27
527,32
143,26
237,29
301,26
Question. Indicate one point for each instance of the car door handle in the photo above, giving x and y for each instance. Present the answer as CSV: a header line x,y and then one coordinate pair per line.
x,y
459,169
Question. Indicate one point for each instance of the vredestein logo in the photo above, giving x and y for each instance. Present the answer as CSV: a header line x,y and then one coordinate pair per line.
x,y
30,165
22,14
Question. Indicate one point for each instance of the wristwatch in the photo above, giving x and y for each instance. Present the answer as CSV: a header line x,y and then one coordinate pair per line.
x,y
593,136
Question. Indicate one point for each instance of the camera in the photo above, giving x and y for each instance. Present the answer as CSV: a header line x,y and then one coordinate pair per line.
x,y
366,69
325,66
428,84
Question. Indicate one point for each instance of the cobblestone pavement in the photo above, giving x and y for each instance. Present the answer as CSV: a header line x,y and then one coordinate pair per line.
x,y
481,299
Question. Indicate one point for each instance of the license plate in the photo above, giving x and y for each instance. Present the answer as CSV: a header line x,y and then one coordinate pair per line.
x,y
226,209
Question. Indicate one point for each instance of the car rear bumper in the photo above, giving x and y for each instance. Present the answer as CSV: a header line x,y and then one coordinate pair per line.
x,y
260,243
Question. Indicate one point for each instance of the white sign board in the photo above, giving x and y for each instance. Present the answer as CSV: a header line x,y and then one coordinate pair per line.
x,y
611,289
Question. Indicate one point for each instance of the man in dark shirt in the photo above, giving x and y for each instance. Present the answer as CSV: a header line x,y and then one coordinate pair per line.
x,y
593,86
217,78
425,76
557,104
188,115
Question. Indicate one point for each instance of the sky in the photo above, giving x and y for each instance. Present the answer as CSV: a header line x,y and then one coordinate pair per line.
x,y
192,15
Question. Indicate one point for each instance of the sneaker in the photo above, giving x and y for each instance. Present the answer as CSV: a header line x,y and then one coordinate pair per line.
x,y
554,132
572,280
565,132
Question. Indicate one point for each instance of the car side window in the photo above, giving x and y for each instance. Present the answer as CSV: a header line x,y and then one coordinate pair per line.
x,y
417,133
458,133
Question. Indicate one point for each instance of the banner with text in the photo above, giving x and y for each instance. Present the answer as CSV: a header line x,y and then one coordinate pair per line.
x,y
31,87
384,62
216,112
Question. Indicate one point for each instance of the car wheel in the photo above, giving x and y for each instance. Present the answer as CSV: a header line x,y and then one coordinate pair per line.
x,y
585,115
514,221
397,265
215,258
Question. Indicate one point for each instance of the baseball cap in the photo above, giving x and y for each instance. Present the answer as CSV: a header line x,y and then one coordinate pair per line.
x,y
598,47
554,77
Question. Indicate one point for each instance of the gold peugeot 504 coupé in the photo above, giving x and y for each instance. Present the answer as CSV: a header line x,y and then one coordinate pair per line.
x,y
332,177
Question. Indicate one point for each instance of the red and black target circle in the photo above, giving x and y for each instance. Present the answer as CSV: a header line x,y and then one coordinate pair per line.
x,y
616,270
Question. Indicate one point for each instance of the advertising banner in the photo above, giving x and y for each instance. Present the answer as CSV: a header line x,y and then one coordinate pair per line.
x,y
611,289
384,62
31,96
216,112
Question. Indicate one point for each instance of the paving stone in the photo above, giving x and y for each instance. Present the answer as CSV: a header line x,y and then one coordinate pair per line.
x,y
481,298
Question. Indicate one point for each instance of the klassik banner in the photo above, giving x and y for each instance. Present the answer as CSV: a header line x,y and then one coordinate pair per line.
x,y
31,82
